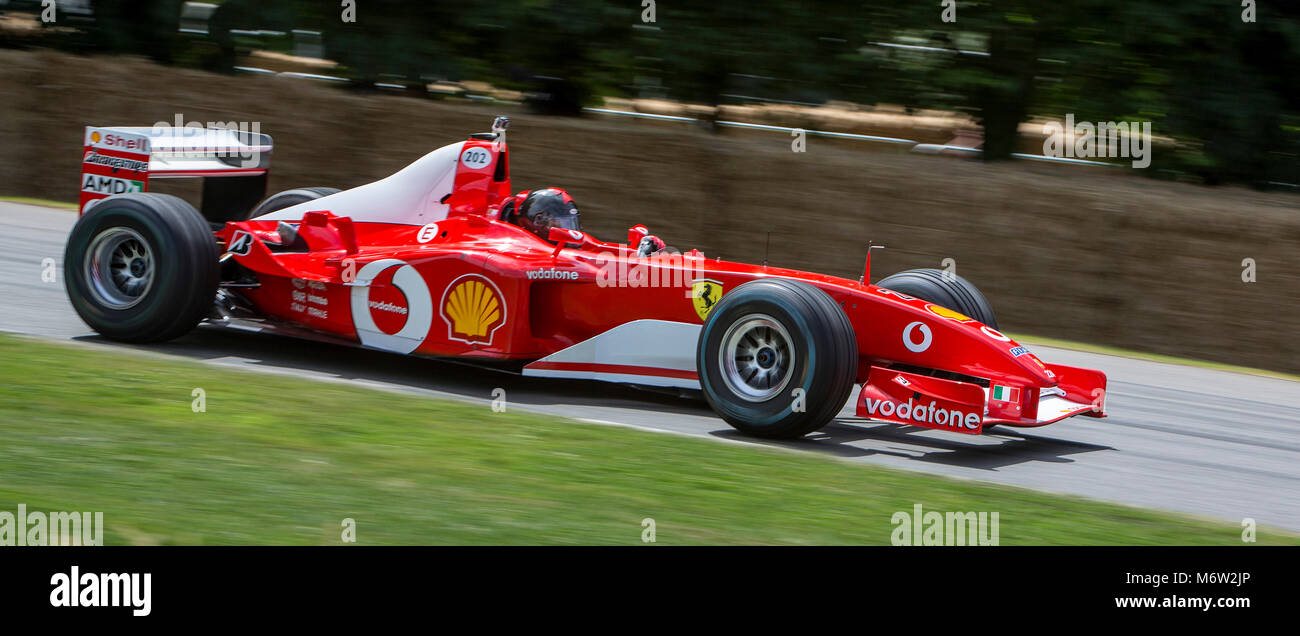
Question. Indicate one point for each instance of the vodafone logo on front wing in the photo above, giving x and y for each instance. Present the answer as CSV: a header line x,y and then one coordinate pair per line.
x,y
923,413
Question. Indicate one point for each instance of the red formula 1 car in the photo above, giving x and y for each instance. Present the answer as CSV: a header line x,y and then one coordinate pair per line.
x,y
442,259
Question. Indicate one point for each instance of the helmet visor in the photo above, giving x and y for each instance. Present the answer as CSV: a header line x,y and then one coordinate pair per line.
x,y
566,220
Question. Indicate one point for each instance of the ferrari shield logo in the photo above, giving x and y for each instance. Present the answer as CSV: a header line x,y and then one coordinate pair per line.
x,y
705,293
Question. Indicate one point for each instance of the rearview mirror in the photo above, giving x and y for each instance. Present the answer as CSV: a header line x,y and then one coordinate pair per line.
x,y
561,235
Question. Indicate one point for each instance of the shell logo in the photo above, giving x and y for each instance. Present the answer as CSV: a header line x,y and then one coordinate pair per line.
x,y
94,137
947,313
474,309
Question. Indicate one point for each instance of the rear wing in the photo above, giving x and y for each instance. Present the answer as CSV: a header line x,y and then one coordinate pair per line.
x,y
233,164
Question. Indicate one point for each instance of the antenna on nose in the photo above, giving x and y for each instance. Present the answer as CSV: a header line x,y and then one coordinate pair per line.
x,y
866,269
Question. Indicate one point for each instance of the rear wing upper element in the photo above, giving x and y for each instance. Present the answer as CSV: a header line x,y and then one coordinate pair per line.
x,y
118,160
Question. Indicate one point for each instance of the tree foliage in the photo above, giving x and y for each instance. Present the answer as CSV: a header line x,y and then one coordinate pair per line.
x,y
1223,87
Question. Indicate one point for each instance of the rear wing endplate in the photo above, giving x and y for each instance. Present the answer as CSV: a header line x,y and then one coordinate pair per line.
x,y
123,159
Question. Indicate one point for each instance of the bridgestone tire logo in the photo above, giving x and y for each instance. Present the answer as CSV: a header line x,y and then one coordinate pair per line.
x,y
116,162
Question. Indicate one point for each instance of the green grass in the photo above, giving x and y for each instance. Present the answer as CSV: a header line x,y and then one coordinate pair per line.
x,y
279,460
62,205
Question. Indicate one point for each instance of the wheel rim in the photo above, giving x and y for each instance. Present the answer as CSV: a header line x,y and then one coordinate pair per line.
x,y
756,358
120,267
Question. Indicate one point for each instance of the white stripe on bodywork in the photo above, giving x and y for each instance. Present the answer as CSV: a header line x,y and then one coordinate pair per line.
x,y
660,344
622,378
411,196
1051,407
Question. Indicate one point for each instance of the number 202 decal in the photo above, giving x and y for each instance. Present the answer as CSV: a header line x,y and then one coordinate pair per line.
x,y
476,158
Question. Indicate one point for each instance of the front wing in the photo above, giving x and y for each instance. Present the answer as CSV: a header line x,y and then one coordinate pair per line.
x,y
967,407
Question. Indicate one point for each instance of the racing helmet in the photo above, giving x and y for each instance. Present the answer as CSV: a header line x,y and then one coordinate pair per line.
x,y
548,208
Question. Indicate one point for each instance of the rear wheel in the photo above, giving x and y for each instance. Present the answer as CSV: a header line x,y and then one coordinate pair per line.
x,y
282,200
944,289
777,358
141,267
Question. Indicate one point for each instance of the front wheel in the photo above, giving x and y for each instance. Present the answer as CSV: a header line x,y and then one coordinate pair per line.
x,y
141,267
944,289
777,358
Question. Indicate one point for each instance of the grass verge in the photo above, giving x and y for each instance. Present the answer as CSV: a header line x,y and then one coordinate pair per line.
x,y
62,205
279,460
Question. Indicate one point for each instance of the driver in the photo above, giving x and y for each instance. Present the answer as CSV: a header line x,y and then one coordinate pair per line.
x,y
544,209
540,210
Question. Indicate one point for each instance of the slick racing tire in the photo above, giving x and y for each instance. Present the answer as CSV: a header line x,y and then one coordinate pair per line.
x,y
282,200
943,289
777,358
141,267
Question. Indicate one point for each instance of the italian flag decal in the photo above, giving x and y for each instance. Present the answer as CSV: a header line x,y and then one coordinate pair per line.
x,y
1005,393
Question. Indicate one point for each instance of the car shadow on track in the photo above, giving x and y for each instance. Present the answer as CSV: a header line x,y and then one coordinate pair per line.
x,y
312,359
853,438
846,437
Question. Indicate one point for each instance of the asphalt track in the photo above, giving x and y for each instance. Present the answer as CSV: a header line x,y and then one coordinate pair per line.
x,y
1211,443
